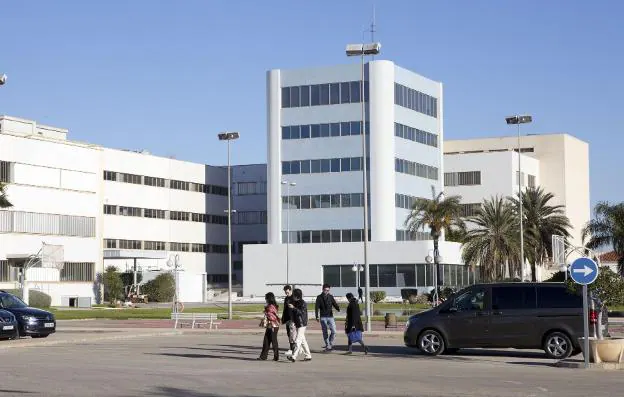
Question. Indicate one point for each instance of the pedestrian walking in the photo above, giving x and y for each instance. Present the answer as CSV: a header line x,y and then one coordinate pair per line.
x,y
353,325
325,302
360,294
271,322
287,320
300,318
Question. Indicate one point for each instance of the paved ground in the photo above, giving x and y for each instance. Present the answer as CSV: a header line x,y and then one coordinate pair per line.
x,y
214,364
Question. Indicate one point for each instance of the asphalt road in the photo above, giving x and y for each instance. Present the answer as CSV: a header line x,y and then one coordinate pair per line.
x,y
210,365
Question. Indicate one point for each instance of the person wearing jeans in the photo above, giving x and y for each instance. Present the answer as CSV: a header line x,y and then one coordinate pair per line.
x,y
325,302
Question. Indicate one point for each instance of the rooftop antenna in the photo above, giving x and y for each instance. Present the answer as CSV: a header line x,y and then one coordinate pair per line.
x,y
372,28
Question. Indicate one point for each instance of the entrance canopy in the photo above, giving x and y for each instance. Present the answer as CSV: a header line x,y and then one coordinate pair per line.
x,y
134,254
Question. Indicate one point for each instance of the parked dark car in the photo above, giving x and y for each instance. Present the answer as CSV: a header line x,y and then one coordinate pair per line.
x,y
8,325
507,315
33,322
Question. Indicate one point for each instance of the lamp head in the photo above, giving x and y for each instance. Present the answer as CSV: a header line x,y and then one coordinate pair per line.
x,y
228,136
522,119
3,79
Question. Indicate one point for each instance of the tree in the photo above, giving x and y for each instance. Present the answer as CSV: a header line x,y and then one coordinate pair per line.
x,y
493,244
113,285
607,228
4,201
161,288
541,222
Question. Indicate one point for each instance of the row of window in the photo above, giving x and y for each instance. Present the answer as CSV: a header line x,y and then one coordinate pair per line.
x,y
6,172
400,275
323,94
415,100
340,200
417,169
326,130
404,201
416,135
165,246
48,224
250,188
162,182
324,236
164,214
467,178
470,209
344,164
531,179
71,271
406,235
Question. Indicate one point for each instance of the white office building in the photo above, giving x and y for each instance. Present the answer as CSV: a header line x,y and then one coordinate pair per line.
x,y
314,185
122,208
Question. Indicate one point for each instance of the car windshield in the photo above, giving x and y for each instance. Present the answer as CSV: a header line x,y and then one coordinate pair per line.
x,y
9,301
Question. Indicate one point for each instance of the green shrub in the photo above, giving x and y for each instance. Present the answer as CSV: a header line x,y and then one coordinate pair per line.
x,y
608,287
113,286
35,298
377,296
421,299
160,289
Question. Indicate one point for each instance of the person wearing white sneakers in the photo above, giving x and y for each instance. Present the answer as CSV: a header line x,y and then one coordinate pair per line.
x,y
300,317
287,320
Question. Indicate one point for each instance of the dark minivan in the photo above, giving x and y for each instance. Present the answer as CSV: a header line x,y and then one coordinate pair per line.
x,y
507,315
31,321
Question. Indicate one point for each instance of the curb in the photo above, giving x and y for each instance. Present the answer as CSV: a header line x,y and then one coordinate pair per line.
x,y
594,366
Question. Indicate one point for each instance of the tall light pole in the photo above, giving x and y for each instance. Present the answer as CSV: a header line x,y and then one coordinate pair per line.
x,y
357,269
361,50
3,79
288,185
229,136
517,120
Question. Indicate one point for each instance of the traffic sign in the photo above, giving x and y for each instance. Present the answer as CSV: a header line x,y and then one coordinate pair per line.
x,y
584,271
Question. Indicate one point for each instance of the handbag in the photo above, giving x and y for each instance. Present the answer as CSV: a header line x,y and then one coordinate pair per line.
x,y
354,335
264,323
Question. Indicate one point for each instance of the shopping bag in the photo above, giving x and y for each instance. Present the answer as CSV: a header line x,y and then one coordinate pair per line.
x,y
354,336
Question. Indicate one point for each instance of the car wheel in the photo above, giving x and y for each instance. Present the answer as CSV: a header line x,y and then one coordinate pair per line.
x,y
558,346
39,336
431,343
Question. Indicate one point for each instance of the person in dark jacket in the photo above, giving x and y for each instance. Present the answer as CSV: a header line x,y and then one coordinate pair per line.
x,y
324,304
300,318
291,330
271,322
353,324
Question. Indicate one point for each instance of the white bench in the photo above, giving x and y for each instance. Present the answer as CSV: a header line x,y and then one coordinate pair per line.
x,y
198,319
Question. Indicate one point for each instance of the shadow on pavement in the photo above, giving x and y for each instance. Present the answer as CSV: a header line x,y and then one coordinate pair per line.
x,y
16,391
175,392
221,357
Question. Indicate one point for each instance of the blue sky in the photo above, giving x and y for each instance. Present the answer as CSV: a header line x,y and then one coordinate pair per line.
x,y
168,76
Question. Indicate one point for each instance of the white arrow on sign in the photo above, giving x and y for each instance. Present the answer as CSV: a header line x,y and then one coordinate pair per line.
x,y
586,270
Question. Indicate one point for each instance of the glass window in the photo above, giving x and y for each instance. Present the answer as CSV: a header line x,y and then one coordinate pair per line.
x,y
285,167
305,95
325,236
325,201
331,275
315,130
420,275
335,236
345,93
295,167
325,165
346,236
315,166
356,200
387,276
316,236
335,201
355,128
315,95
374,279
315,201
335,165
285,132
347,275
305,131
346,200
294,132
356,164
429,275
334,90
285,97
295,201
345,129
406,276
305,202
324,94
345,164
471,300
305,236
294,97
366,91
355,91
557,297
305,166
356,235
334,129
446,275
512,297
324,130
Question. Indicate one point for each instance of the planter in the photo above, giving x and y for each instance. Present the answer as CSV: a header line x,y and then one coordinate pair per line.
x,y
609,350
390,320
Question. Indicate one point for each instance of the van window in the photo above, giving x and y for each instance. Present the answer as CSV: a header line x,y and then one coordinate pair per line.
x,y
558,298
513,297
473,299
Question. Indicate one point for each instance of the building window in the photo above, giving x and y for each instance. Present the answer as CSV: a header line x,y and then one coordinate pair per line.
x,y
195,247
178,216
78,271
520,179
250,218
405,201
468,178
323,94
110,243
471,209
129,211
131,178
323,236
46,224
153,213
531,181
416,135
110,209
179,185
324,130
6,172
130,244
416,169
415,100
153,181
154,245
179,247
249,188
405,235
319,166
110,176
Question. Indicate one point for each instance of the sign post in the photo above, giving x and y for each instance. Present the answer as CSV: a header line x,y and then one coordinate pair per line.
x,y
584,271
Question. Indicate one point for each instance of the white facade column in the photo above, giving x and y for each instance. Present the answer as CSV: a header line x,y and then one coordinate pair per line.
x,y
274,164
382,151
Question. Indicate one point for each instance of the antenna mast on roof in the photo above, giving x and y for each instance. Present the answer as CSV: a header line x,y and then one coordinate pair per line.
x,y
372,28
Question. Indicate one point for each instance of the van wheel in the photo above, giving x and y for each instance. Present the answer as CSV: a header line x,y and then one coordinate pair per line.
x,y
558,346
431,343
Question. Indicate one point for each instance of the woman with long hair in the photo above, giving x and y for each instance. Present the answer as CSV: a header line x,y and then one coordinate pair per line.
x,y
300,317
271,322
353,325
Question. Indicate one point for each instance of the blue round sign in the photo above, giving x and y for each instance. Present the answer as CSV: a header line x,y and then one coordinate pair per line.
x,y
584,271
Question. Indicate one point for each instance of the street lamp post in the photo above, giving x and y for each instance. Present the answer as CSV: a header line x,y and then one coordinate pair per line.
x,y
229,136
288,185
361,50
517,120
357,269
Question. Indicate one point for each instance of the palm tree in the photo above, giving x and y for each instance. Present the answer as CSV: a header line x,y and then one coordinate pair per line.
x,y
440,214
607,228
541,222
493,244
457,233
4,201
